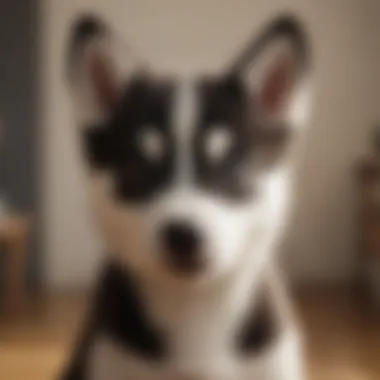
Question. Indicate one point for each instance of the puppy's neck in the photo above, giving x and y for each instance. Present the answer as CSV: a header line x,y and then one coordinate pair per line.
x,y
220,304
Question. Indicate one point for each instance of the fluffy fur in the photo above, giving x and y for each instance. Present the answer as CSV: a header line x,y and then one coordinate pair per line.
x,y
211,158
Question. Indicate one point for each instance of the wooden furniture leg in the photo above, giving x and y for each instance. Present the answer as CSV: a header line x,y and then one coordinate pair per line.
x,y
15,275
15,237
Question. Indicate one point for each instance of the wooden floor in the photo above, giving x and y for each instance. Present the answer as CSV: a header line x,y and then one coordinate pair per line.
x,y
343,338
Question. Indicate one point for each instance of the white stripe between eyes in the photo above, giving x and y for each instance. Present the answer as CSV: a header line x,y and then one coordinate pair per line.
x,y
184,118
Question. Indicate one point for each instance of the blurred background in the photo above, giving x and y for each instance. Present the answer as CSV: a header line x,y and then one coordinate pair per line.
x,y
49,251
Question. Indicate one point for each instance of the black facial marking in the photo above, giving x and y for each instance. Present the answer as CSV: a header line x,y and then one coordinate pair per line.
x,y
114,146
149,103
223,104
226,103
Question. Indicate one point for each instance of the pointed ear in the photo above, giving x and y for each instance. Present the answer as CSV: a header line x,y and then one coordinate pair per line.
x,y
277,84
275,69
96,68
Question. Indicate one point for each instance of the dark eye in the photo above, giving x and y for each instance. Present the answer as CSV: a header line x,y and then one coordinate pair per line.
x,y
218,143
151,143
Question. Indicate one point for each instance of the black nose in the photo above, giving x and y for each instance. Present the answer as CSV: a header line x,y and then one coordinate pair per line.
x,y
181,238
182,244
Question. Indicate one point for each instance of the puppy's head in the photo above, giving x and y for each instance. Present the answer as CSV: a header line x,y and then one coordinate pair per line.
x,y
189,175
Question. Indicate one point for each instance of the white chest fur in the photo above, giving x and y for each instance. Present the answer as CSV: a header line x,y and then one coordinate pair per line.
x,y
281,362
200,332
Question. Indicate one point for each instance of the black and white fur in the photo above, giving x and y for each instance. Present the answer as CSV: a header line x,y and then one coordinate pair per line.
x,y
190,181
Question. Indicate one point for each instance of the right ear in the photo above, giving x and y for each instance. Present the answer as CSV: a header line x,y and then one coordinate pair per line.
x,y
94,69
275,67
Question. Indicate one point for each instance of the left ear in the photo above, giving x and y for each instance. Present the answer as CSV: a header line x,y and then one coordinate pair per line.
x,y
275,68
98,65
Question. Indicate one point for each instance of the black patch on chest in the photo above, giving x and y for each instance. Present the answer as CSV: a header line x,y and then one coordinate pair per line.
x,y
118,314
258,331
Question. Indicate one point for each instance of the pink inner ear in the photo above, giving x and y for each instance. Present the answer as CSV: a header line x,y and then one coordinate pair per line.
x,y
276,86
102,76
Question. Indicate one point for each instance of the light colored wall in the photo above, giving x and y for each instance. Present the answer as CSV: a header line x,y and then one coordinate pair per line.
x,y
206,33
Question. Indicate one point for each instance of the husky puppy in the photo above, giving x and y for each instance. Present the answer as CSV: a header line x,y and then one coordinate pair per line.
x,y
190,180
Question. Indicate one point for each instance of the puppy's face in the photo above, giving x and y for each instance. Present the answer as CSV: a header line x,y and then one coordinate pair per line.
x,y
188,174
